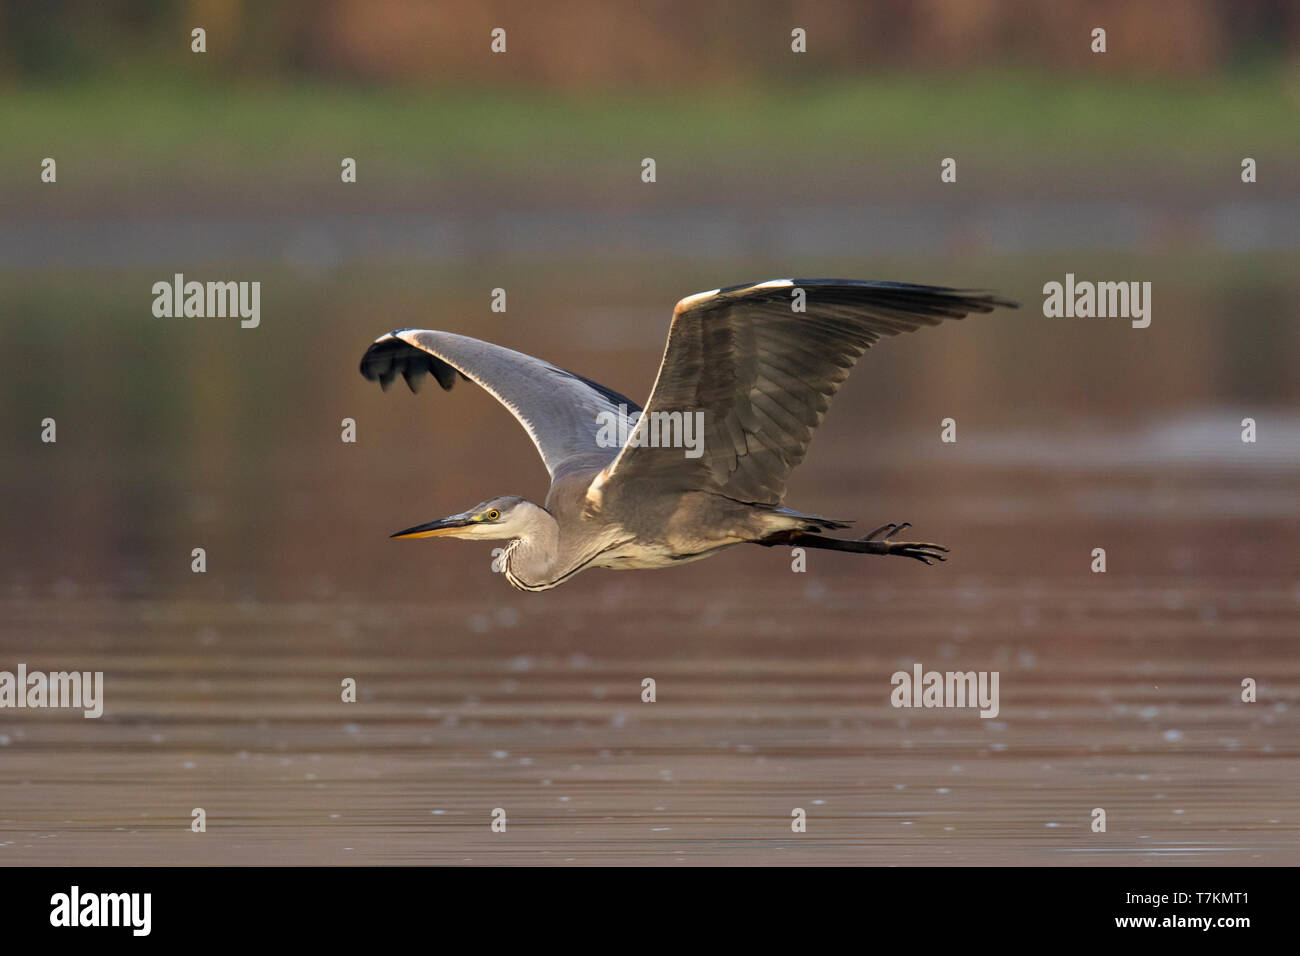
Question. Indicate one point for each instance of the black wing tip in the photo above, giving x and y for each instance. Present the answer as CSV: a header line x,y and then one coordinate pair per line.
x,y
981,300
389,356
981,295
977,300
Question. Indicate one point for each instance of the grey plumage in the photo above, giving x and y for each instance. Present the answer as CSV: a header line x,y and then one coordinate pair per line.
x,y
761,374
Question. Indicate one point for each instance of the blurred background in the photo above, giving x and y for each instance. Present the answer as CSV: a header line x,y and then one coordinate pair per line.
x,y
522,171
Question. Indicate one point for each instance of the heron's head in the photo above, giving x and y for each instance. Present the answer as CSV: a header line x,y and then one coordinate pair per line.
x,y
508,516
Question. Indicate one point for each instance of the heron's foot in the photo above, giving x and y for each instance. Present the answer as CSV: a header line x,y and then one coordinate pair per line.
x,y
922,551
889,530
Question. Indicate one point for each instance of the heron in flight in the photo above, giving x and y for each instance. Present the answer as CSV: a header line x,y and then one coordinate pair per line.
x,y
756,373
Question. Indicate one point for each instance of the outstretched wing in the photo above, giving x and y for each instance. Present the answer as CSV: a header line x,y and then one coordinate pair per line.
x,y
763,375
563,413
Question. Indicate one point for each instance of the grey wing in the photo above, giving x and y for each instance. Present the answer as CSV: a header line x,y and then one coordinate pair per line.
x,y
763,375
569,418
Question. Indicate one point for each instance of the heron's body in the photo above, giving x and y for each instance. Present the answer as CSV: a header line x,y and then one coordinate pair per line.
x,y
573,533
757,373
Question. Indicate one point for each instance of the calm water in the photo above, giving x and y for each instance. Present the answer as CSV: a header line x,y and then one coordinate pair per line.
x,y
1118,690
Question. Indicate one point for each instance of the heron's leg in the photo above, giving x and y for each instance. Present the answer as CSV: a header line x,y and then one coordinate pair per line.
x,y
924,552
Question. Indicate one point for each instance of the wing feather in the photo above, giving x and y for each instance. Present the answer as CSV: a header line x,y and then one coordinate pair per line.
x,y
764,375
562,412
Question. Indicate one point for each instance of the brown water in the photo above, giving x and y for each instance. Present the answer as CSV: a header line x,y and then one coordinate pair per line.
x,y
1118,690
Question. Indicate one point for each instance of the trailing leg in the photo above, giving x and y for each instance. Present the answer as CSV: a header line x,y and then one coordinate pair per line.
x,y
877,542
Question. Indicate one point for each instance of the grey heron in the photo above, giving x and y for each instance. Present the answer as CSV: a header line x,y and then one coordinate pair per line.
x,y
753,368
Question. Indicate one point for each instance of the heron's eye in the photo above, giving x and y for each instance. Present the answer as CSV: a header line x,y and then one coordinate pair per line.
x,y
493,515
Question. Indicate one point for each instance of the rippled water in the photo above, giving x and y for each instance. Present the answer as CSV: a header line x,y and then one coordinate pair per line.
x,y
1118,691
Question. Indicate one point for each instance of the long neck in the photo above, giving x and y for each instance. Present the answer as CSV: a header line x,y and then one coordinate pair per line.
x,y
534,561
